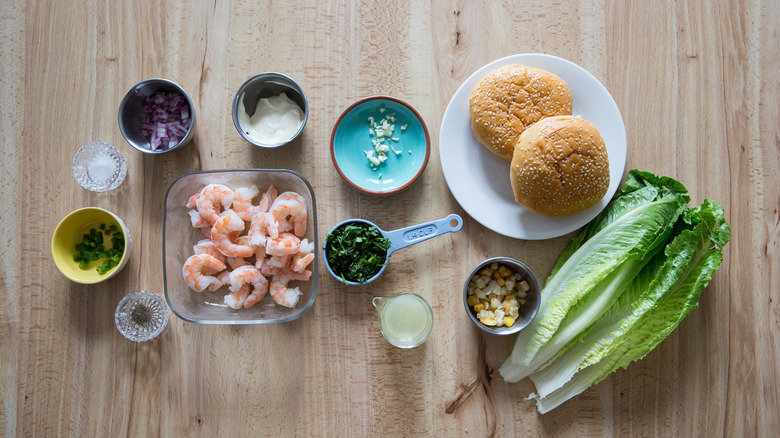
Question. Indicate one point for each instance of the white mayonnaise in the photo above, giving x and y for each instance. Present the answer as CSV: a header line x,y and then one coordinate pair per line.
x,y
276,119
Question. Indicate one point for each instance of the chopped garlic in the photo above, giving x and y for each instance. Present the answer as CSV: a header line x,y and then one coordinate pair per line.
x,y
382,135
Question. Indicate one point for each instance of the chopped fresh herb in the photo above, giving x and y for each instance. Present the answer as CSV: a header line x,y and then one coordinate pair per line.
x,y
356,251
91,248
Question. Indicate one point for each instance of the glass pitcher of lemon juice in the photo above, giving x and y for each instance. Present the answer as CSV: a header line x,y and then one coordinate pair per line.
x,y
405,319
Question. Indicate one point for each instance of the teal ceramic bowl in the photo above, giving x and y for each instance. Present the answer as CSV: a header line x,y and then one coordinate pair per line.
x,y
355,141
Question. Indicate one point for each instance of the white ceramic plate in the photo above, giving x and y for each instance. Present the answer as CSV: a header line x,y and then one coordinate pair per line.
x,y
479,180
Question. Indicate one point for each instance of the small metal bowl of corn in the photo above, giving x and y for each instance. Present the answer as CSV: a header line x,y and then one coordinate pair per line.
x,y
501,295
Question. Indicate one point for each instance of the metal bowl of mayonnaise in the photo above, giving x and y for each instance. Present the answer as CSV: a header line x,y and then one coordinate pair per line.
x,y
270,110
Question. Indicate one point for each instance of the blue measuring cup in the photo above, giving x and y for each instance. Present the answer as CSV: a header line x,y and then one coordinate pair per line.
x,y
399,239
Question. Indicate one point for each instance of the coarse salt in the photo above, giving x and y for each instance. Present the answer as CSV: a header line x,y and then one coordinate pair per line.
x,y
101,168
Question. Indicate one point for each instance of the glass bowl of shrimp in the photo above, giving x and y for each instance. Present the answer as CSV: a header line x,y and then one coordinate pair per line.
x,y
239,246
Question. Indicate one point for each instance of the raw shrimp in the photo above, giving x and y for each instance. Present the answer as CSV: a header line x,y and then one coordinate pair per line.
x,y
267,199
225,232
211,198
289,209
246,276
285,244
197,269
206,246
242,202
263,226
283,294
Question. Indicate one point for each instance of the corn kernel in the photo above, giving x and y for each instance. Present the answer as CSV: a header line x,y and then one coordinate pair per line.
x,y
510,283
506,274
488,321
496,275
494,303
479,307
509,321
500,281
494,266
472,300
486,272
524,286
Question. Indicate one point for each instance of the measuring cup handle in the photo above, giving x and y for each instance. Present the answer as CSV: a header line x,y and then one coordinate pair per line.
x,y
417,233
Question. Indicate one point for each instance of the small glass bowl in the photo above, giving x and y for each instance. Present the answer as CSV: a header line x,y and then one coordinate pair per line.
x,y
137,324
99,167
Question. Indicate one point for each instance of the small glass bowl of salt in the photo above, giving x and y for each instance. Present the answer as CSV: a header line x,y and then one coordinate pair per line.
x,y
99,167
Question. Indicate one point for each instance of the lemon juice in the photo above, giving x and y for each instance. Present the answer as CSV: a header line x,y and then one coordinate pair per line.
x,y
406,319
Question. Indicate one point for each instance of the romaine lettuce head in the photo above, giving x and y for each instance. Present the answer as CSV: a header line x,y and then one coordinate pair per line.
x,y
663,293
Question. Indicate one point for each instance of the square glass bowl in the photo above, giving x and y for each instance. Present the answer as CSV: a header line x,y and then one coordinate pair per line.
x,y
179,237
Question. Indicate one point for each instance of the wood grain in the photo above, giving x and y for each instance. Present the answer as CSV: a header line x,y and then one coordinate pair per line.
x,y
699,90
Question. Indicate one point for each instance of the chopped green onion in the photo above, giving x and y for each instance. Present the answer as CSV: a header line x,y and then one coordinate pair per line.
x,y
91,248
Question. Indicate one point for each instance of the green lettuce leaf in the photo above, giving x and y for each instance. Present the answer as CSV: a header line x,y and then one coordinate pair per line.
x,y
660,296
592,277
640,188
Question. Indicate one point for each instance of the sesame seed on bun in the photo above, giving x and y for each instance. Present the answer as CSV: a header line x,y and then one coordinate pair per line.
x,y
508,100
560,166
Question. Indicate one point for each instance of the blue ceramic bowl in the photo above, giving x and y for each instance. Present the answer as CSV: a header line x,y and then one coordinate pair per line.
x,y
352,136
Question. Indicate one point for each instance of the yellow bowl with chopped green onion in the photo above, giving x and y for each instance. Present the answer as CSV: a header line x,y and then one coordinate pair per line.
x,y
99,254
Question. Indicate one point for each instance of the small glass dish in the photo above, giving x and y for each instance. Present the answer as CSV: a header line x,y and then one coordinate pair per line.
x,y
99,167
141,316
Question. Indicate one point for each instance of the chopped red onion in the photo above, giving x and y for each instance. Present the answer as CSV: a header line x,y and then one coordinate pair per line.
x,y
167,119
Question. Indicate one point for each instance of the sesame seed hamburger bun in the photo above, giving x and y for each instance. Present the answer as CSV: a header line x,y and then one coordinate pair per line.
x,y
560,166
508,100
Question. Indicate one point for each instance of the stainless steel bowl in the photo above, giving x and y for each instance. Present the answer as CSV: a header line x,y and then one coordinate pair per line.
x,y
131,110
527,311
266,85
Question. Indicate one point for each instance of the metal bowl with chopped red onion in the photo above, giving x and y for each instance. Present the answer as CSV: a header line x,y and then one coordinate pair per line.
x,y
157,116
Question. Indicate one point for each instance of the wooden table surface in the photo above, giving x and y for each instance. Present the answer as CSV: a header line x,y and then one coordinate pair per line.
x,y
698,86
